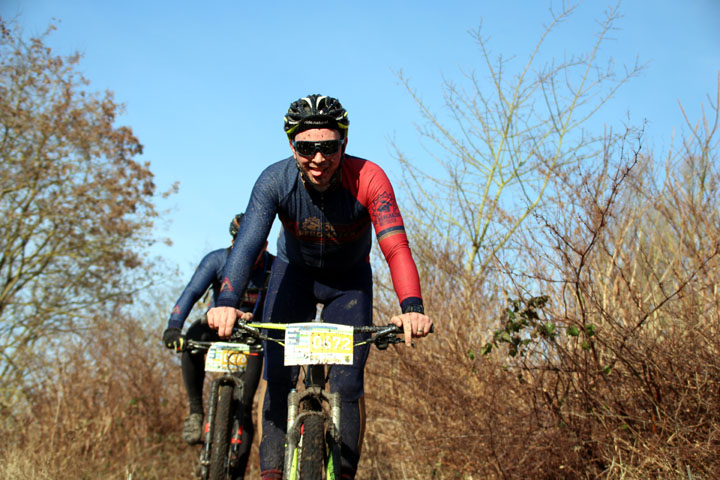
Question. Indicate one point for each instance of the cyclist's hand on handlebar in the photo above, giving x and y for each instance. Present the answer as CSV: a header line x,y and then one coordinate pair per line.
x,y
173,338
414,324
223,319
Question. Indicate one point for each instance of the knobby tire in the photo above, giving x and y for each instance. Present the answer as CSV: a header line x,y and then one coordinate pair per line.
x,y
221,434
313,448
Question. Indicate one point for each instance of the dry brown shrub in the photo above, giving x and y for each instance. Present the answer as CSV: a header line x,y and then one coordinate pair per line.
x,y
635,275
444,411
618,376
111,407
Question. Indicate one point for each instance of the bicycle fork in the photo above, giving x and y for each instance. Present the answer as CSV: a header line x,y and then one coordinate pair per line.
x,y
317,397
236,419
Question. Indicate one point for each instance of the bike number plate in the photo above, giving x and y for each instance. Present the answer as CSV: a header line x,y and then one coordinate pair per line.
x,y
318,343
227,357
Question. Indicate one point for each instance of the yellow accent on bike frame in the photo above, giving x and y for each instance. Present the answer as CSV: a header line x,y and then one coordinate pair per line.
x,y
268,326
330,467
294,466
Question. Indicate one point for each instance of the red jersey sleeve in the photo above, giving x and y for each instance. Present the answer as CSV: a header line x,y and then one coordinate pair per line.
x,y
376,193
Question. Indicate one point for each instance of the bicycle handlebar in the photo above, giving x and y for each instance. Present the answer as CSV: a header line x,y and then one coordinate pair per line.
x,y
204,346
383,335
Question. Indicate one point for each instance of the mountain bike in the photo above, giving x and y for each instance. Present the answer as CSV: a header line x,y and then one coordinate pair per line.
x,y
219,457
312,447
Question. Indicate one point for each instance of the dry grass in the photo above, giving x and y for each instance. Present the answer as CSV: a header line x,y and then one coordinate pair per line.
x,y
618,376
112,407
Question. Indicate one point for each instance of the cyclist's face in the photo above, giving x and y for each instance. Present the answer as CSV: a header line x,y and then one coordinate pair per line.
x,y
319,168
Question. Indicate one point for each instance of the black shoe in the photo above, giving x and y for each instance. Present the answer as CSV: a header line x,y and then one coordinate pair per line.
x,y
192,430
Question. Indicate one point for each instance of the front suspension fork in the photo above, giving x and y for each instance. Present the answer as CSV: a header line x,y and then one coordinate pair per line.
x,y
208,427
318,397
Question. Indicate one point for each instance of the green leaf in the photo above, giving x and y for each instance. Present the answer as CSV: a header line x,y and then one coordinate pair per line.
x,y
486,349
549,329
471,354
585,345
590,329
573,331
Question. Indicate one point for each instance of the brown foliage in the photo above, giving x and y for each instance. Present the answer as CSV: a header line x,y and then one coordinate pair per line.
x,y
615,377
111,407
77,209
632,397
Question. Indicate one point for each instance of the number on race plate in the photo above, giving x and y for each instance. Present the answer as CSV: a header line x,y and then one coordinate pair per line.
x,y
226,357
318,343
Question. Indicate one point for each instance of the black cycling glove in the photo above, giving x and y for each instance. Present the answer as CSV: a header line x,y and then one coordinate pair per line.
x,y
173,338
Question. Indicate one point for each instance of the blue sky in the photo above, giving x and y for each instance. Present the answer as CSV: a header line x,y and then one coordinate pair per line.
x,y
206,84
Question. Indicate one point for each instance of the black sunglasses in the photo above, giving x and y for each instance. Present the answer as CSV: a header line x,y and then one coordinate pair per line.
x,y
309,149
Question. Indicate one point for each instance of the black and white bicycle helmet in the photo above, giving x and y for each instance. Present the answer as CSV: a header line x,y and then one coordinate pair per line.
x,y
316,111
235,224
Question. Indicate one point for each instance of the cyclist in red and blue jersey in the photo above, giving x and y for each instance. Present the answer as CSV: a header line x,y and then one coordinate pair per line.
x,y
207,277
328,202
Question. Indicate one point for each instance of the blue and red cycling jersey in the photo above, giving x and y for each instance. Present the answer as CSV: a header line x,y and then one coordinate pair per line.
x,y
209,275
323,231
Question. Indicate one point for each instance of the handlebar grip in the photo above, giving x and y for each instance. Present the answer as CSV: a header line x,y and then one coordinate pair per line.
x,y
183,345
400,329
204,319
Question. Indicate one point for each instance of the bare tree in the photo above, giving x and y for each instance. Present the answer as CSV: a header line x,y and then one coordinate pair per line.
x,y
77,208
508,135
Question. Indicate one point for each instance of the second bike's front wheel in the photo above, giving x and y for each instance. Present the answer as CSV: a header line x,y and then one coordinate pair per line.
x,y
221,434
312,454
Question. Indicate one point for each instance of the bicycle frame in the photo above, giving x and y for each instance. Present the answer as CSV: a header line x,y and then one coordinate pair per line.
x,y
310,401
314,400
235,419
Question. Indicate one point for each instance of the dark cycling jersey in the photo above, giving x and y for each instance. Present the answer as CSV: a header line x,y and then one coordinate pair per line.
x,y
323,231
209,274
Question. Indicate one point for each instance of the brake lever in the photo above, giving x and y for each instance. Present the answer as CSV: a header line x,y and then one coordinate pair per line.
x,y
382,342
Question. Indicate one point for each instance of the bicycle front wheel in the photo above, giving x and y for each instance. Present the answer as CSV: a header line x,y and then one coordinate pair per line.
x,y
221,434
312,454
